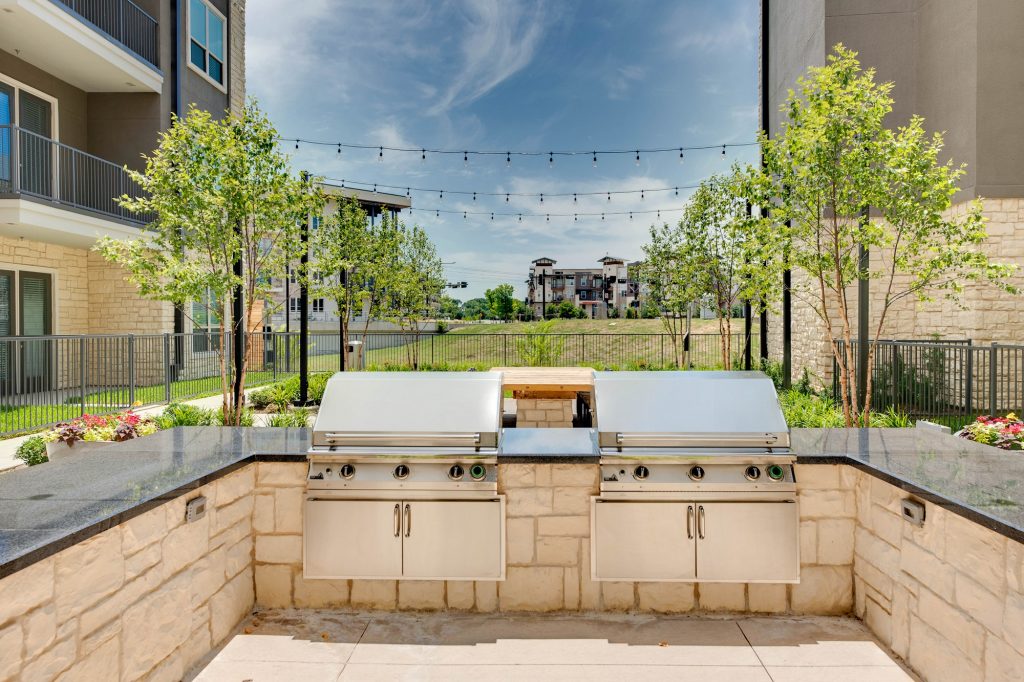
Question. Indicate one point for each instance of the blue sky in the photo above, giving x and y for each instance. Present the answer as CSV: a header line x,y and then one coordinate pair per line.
x,y
512,74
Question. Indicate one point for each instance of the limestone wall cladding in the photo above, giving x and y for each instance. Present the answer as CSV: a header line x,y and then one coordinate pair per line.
x,y
70,269
548,554
544,413
987,313
147,598
948,597
115,306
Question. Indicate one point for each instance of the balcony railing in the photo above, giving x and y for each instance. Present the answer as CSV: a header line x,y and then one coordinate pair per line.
x,y
37,166
122,20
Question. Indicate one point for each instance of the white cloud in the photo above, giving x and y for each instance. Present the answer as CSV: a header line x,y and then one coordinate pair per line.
x,y
704,27
620,80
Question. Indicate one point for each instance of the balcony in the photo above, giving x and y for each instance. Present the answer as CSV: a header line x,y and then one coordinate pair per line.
x,y
56,193
95,45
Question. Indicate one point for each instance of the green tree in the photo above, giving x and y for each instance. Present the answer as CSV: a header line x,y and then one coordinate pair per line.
x,y
414,284
475,309
502,301
845,180
450,308
228,215
667,275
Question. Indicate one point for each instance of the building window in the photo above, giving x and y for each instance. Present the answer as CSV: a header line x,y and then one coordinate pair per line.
x,y
293,305
206,324
583,295
318,305
207,31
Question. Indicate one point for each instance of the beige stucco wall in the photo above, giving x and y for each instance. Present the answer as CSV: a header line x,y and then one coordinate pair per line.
x,y
147,598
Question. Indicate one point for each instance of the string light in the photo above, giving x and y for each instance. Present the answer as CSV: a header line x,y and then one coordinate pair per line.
x,y
339,150
641,195
637,157
506,198
357,184
595,159
296,144
423,155
680,155
574,197
609,196
551,159
723,151
575,215
380,155
508,159
464,215
542,197
465,158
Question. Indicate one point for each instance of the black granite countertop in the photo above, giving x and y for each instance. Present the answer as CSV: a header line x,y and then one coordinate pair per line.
x,y
46,508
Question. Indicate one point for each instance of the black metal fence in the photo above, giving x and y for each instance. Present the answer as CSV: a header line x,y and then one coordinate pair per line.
x,y
38,166
950,381
124,21
47,379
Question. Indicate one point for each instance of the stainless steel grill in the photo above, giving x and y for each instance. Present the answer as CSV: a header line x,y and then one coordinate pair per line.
x,y
402,480
697,479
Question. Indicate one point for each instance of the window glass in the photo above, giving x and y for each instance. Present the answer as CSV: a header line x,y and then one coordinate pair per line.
x,y
197,21
216,43
206,43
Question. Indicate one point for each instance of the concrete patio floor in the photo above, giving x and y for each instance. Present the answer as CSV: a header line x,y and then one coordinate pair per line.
x,y
347,646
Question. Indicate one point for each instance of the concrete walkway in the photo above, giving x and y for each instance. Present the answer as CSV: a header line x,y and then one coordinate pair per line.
x,y
337,646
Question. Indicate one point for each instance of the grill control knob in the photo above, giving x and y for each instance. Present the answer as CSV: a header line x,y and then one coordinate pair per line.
x,y
776,473
401,472
641,473
455,472
697,472
347,471
752,473
477,472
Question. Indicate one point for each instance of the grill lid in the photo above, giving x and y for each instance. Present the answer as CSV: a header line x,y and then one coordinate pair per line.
x,y
410,409
688,409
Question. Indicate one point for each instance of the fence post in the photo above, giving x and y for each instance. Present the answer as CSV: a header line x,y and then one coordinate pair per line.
x,y
273,350
81,368
431,349
969,398
167,367
131,369
504,349
583,347
992,375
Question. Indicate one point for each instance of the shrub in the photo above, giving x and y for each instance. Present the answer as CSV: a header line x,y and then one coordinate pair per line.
x,y
298,417
32,451
181,414
443,327
1006,432
810,411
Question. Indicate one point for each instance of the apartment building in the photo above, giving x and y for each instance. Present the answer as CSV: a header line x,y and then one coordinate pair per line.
x,y
85,89
597,290
284,305
957,64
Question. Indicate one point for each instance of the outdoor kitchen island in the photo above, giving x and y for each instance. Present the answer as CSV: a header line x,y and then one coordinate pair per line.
x,y
101,573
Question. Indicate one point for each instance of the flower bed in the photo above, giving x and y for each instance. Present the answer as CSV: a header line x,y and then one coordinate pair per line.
x,y
1001,432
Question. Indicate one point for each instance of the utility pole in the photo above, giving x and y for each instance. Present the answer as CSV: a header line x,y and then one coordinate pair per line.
x,y
341,320
863,292
304,309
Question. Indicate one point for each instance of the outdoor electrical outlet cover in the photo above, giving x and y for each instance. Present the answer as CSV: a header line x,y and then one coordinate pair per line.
x,y
913,511
195,509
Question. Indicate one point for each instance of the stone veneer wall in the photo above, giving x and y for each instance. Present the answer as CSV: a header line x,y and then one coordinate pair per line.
x,y
548,554
947,597
147,598
547,413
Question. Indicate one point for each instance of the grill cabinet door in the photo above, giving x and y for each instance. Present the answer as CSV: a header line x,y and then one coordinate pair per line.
x,y
352,539
643,541
453,539
748,542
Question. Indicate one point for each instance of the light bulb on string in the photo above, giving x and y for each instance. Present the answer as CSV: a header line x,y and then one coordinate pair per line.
x,y
637,157
630,215
542,197
723,151
551,159
440,195
296,144
437,214
680,155
492,216
380,155
574,197
574,218
508,159
520,217
423,155
548,217
408,191
465,158
602,216
474,196
506,197
463,215
641,195
339,149
609,196
594,163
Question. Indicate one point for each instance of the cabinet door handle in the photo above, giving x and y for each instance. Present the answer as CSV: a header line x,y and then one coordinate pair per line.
x,y
408,520
700,522
689,522
398,520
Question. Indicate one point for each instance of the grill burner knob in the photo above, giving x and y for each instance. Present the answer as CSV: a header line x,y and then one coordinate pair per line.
x,y
401,472
477,472
347,471
696,472
641,473
752,473
776,473
456,472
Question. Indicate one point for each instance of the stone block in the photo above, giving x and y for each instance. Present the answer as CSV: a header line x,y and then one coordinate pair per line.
x,y
228,516
870,575
141,561
575,526
590,590
1015,566
618,596
979,603
1013,621
808,542
572,501
40,628
421,595
207,576
319,594
230,604
816,504
666,597
823,590
903,604
171,669
835,541
542,475
374,594
534,415
460,594
87,572
278,474
238,556
154,627
935,657
279,549
976,551
952,624
531,588
235,484
817,476
558,551
55,660
932,535
875,550
26,589
722,596
886,495
767,598
486,596
263,513
186,544
571,588
1002,662
11,640
529,502
113,606
927,569
143,530
878,620
584,475
887,525
520,540
288,510
99,663
196,647
274,586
